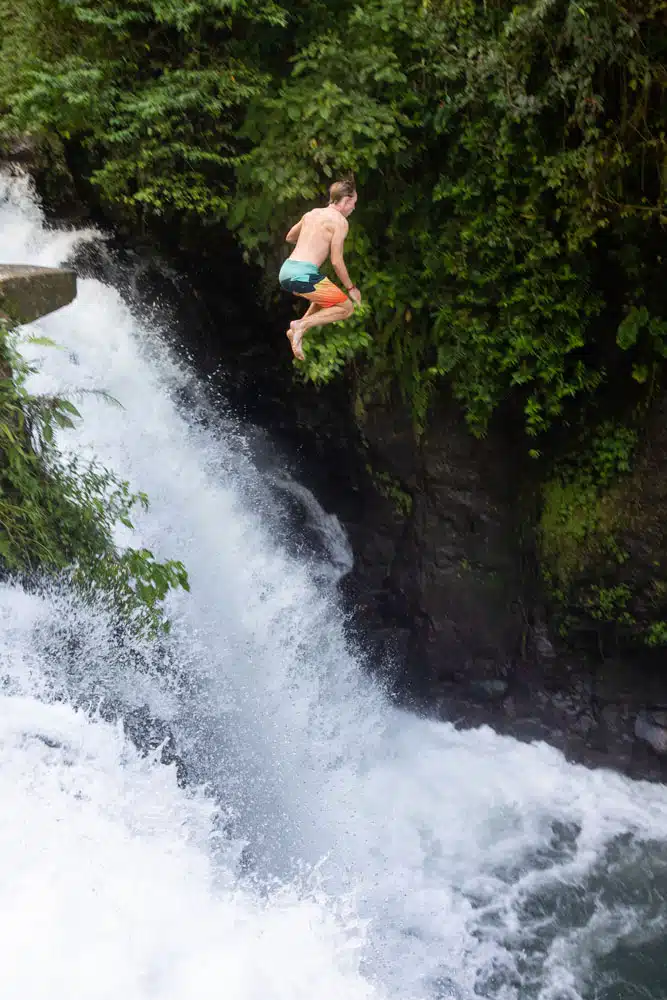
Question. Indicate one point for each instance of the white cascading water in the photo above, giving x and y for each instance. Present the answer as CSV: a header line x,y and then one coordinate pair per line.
x,y
327,845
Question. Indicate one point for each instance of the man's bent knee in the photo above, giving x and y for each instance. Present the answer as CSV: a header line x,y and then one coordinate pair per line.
x,y
348,306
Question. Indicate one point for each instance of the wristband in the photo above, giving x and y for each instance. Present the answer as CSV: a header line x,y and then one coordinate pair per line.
x,y
350,287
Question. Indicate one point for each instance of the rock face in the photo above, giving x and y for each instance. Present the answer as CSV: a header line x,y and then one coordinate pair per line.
x,y
445,577
438,545
28,292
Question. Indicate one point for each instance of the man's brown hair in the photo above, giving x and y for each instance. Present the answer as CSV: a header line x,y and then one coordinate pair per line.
x,y
344,188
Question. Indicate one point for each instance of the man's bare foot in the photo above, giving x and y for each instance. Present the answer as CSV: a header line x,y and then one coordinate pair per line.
x,y
295,336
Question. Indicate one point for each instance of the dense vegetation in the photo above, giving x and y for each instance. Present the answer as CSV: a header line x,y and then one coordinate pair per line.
x,y
511,161
58,516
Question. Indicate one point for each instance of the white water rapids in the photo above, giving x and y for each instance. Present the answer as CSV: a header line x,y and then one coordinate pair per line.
x,y
327,845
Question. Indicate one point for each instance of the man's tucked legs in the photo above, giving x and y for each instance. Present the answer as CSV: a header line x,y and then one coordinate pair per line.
x,y
316,315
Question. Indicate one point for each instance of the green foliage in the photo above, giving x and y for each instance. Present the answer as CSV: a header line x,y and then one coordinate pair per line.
x,y
581,510
609,604
328,349
59,516
646,335
656,634
510,160
600,521
607,452
152,88
580,504
511,185
577,532
390,488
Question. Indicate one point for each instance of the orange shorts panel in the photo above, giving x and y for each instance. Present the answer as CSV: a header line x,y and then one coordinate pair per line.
x,y
325,294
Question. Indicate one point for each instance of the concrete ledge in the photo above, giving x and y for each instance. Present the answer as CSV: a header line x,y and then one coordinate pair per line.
x,y
27,292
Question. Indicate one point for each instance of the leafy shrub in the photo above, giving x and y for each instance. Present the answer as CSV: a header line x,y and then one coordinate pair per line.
x,y
58,515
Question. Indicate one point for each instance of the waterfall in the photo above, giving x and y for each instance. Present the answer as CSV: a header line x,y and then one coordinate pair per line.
x,y
326,843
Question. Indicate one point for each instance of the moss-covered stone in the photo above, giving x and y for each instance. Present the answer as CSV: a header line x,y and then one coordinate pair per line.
x,y
28,292
603,545
577,529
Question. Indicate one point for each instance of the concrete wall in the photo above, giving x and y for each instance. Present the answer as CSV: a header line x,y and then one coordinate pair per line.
x,y
28,292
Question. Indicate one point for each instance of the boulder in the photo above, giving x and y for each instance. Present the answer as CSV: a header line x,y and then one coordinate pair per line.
x,y
28,292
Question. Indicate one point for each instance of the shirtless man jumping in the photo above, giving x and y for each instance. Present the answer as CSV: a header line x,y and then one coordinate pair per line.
x,y
319,234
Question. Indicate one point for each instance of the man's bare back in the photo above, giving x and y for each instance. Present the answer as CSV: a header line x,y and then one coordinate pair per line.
x,y
319,234
318,228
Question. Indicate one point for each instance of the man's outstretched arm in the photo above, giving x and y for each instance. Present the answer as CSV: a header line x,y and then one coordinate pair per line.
x,y
339,264
337,261
293,234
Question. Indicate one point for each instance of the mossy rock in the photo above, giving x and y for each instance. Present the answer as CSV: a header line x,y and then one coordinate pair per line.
x,y
603,549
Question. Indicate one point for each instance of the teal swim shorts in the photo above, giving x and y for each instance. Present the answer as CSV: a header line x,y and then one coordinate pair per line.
x,y
302,278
